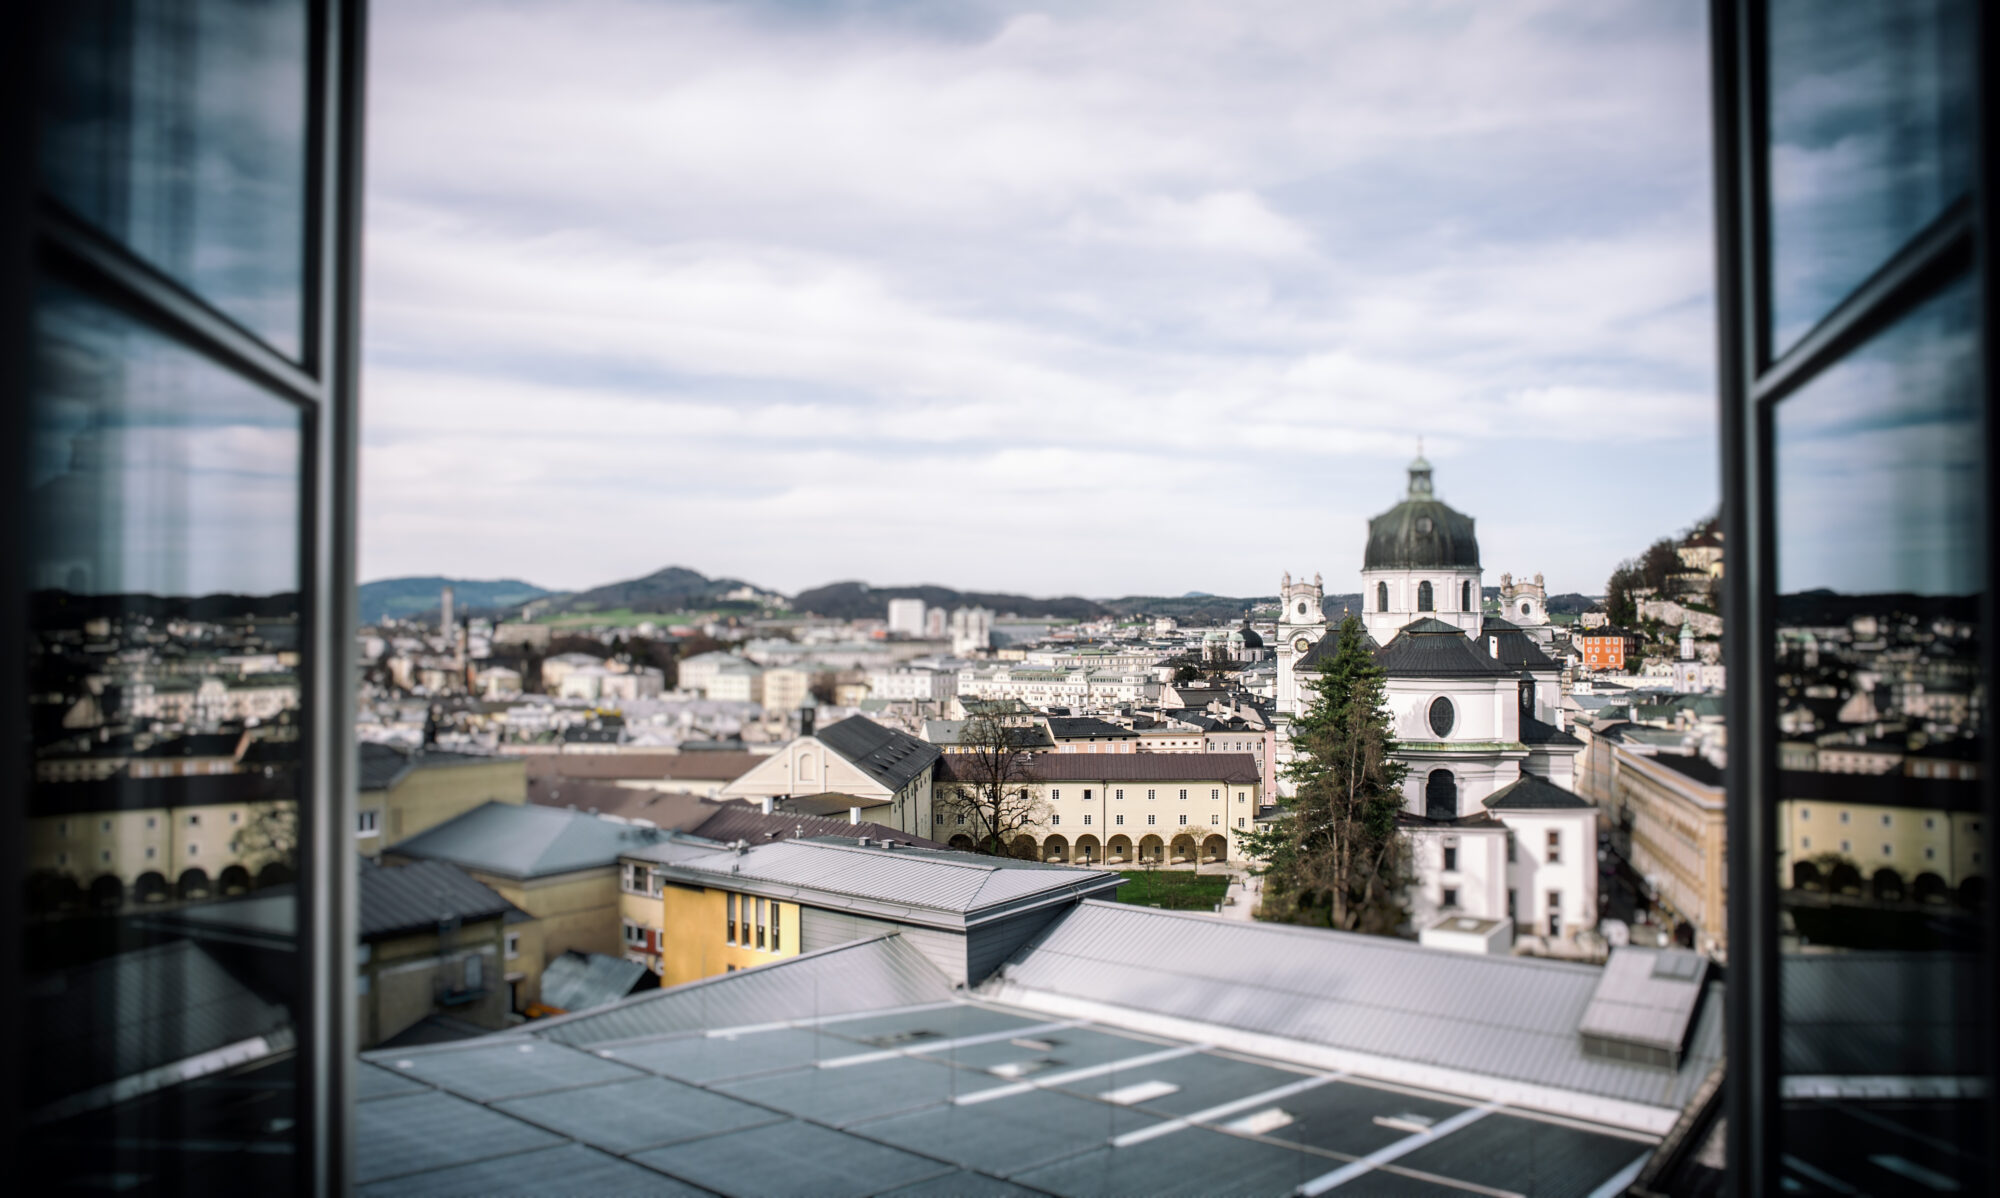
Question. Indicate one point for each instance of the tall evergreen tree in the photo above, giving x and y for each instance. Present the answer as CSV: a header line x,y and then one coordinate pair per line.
x,y
1336,857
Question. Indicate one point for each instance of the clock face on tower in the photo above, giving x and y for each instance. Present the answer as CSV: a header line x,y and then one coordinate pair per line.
x,y
1301,645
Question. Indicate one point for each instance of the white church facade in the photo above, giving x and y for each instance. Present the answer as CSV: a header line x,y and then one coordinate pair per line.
x,y
1495,827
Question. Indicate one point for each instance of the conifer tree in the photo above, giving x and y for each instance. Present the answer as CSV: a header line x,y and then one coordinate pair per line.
x,y
1335,856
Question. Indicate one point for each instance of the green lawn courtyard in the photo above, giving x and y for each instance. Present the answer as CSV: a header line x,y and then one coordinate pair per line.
x,y
1173,889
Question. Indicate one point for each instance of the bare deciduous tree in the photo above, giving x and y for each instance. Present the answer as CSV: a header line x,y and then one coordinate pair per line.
x,y
995,783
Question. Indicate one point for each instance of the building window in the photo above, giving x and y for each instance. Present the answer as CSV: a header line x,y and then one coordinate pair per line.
x,y
1845,847
1381,596
1055,795
1239,797
1843,817
1886,850
1930,854
368,825
1151,794
1805,842
1513,903
152,822
777,926
1055,819
760,923
194,850
1118,820
1555,847
1450,896
1214,818
1451,858
235,817
1929,823
1555,912
1424,597
1086,819
104,855
1150,819
1465,595
961,819
62,828
1214,793
151,852
1805,813
105,825
1441,795
1183,794
1885,819
1511,854
1183,819
729,908
194,819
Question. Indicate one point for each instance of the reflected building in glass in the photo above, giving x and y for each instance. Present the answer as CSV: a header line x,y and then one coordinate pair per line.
x,y
1855,223
178,575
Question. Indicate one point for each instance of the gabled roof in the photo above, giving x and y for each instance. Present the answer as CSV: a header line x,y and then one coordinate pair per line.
x,y
736,820
401,899
1533,793
890,757
952,732
910,885
578,981
1516,649
1431,648
529,841
1079,727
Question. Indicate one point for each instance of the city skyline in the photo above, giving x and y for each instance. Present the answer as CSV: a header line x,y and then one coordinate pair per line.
x,y
794,294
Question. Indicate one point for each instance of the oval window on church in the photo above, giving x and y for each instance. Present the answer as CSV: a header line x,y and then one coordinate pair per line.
x,y
1442,716
1302,609
1424,525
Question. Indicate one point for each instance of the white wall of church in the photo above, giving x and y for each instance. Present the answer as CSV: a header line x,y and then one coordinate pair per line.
x,y
1483,709
1477,883
1448,593
1570,877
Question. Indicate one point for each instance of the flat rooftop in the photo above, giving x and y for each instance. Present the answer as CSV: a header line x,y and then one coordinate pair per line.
x,y
951,1095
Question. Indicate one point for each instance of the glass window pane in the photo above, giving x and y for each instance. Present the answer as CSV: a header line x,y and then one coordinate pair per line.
x,y
179,128
1870,111
1881,566
164,507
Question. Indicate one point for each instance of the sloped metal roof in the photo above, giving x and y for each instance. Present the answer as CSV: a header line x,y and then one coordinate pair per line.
x,y
890,757
1513,1018
1647,996
527,841
414,897
864,975
1431,648
903,883
577,981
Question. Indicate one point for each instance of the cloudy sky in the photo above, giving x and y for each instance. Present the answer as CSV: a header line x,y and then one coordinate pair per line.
x,y
1109,299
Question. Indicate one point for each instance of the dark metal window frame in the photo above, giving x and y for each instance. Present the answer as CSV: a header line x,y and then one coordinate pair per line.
x,y
42,240
1752,381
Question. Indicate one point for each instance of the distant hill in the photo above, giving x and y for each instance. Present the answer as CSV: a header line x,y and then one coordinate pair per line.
x,y
673,589
408,598
859,601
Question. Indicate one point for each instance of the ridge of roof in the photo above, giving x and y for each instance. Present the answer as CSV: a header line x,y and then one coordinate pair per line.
x,y
1531,792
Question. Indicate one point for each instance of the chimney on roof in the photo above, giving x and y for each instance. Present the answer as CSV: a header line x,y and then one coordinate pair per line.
x,y
862,841
854,815
767,804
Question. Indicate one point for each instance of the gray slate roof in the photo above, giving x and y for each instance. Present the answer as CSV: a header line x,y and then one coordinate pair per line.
x,y
909,884
1507,1017
1533,793
1431,648
863,975
400,899
578,981
1538,732
526,841
890,757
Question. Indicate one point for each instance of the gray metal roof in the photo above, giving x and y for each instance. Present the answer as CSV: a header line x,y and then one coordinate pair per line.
x,y
943,1097
577,981
1647,996
415,897
905,883
1513,1018
890,757
526,841
382,766
1533,793
1538,732
861,976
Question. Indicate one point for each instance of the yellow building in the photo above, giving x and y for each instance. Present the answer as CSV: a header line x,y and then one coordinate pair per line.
x,y
404,793
1892,836
560,867
1099,808
1672,807
120,840
738,907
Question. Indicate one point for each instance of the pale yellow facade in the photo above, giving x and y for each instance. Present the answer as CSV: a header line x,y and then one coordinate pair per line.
x,y
701,941
568,911
429,795
1677,842
1951,845
1178,821
399,980
190,849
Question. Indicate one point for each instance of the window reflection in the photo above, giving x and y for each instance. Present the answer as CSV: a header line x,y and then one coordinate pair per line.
x,y
1870,112
179,128
163,821
1880,712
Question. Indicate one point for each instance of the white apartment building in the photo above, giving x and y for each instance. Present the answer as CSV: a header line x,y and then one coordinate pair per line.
x,y
912,685
906,616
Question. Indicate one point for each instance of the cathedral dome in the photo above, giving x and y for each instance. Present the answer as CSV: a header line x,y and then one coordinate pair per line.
x,y
1420,532
1250,638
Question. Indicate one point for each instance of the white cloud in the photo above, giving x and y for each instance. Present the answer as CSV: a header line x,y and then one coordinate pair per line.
x,y
797,295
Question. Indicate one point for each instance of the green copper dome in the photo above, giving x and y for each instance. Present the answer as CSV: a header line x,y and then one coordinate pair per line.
x,y
1421,532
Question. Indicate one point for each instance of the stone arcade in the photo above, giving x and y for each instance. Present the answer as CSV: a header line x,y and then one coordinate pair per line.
x,y
1496,829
